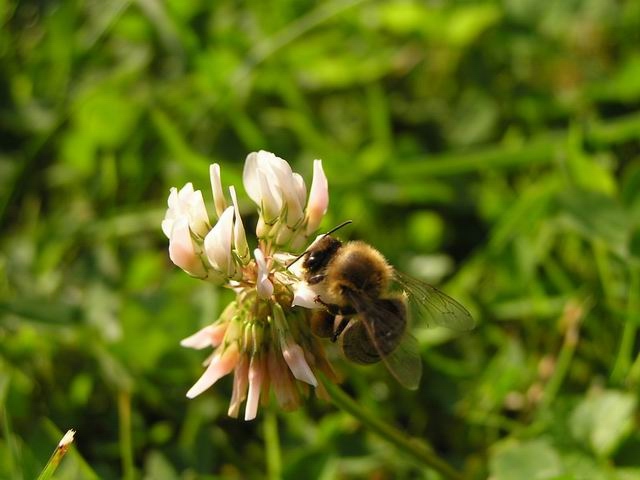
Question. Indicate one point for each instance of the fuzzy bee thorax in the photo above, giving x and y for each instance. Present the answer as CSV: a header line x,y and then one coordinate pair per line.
x,y
358,268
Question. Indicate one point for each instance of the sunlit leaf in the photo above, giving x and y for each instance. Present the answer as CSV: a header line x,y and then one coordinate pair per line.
x,y
603,420
596,216
532,459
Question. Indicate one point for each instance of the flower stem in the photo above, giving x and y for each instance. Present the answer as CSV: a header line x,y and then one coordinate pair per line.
x,y
126,445
272,443
622,366
413,447
572,317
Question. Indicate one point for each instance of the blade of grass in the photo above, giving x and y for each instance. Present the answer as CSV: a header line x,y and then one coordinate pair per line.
x,y
14,453
84,469
541,149
56,457
411,446
126,447
266,47
572,316
622,365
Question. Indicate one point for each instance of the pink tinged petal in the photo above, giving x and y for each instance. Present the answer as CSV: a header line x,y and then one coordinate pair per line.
x,y
217,243
256,377
318,197
294,356
216,186
209,336
282,382
239,235
240,383
263,284
221,364
181,250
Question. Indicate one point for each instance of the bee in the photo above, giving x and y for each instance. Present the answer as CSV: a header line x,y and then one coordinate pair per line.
x,y
358,307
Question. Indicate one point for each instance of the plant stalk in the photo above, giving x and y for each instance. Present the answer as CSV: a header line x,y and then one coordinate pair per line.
x,y
272,443
412,446
55,459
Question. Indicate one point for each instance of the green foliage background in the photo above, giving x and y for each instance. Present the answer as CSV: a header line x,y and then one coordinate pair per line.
x,y
491,147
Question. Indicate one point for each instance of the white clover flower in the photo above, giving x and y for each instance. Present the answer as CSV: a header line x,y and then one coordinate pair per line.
x,y
218,243
188,204
262,337
318,198
239,237
264,287
216,187
182,250
281,196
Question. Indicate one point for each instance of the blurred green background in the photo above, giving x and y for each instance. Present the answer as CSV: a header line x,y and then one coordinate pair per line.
x,y
491,147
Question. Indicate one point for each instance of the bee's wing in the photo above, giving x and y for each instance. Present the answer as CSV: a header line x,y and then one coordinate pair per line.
x,y
404,361
434,306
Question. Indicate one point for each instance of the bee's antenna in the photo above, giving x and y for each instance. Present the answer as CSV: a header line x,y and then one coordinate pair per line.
x,y
343,224
297,258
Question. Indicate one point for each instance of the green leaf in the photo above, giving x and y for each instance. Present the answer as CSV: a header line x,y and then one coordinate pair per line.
x,y
531,460
157,466
106,116
468,22
628,473
603,420
585,170
597,216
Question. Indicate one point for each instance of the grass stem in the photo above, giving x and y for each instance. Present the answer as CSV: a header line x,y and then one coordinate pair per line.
x,y
411,446
55,459
272,444
126,445
622,366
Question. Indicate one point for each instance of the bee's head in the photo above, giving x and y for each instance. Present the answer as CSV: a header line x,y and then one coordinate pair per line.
x,y
320,252
319,255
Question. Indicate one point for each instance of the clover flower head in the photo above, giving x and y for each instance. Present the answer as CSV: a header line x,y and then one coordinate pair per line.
x,y
263,336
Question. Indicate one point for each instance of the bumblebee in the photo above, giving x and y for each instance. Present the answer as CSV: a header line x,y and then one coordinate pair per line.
x,y
358,308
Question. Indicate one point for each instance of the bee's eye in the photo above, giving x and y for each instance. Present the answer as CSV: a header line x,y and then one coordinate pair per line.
x,y
312,262
315,262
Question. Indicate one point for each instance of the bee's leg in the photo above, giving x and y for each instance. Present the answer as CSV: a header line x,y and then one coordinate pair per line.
x,y
330,307
322,323
339,315
339,325
335,309
321,302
